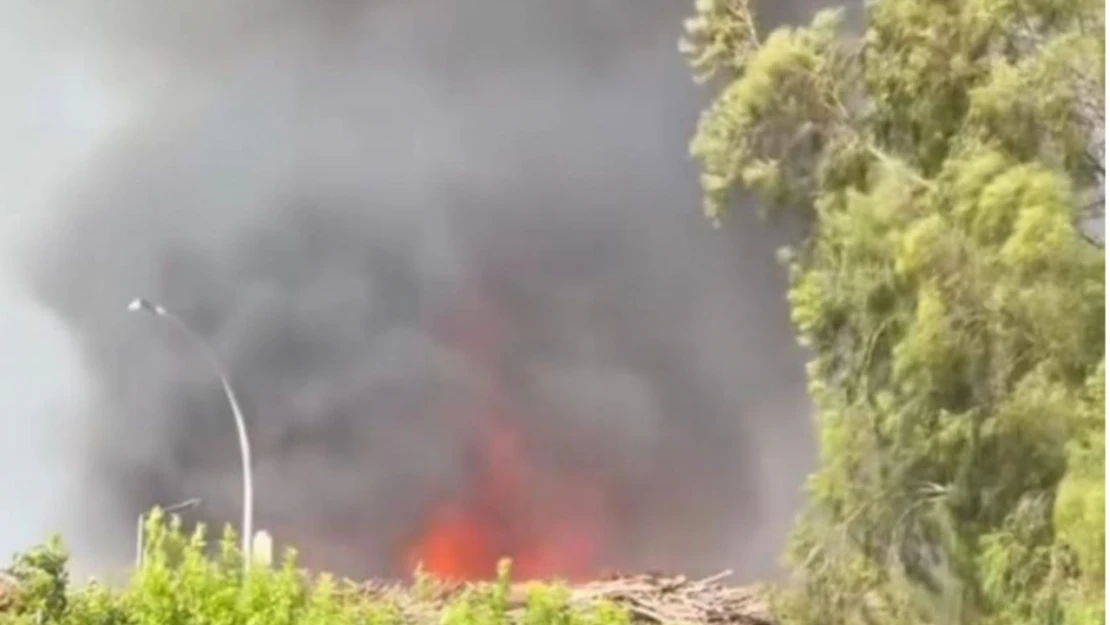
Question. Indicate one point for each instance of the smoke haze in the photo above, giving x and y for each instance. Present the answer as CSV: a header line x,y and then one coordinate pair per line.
x,y
319,188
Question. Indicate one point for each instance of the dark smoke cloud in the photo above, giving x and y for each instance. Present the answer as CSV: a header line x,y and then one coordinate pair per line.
x,y
317,184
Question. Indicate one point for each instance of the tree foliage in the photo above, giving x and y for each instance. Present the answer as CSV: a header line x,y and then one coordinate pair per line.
x,y
946,156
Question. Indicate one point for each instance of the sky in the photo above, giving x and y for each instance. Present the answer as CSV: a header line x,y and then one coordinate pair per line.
x,y
53,111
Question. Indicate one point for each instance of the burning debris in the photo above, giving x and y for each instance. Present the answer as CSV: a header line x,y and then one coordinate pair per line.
x,y
648,599
548,524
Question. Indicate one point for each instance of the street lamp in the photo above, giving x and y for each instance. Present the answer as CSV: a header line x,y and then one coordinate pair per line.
x,y
247,530
140,530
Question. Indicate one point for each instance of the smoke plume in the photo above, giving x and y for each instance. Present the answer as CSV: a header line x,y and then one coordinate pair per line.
x,y
332,193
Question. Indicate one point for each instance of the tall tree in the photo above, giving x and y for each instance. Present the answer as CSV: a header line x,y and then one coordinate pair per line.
x,y
950,288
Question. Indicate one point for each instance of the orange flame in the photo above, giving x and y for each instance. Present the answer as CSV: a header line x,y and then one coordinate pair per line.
x,y
549,526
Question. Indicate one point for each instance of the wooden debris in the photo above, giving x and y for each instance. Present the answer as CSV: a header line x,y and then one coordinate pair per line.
x,y
678,601
650,599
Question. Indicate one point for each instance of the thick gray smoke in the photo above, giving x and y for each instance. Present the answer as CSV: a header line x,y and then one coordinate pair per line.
x,y
321,188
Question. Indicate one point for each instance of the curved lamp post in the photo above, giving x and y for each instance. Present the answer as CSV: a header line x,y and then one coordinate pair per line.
x,y
247,529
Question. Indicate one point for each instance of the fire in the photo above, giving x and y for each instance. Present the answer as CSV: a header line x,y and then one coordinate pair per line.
x,y
550,526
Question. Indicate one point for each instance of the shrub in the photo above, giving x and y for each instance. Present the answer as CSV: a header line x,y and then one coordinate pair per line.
x,y
185,580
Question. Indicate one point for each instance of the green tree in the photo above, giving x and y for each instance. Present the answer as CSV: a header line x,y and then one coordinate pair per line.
x,y
947,156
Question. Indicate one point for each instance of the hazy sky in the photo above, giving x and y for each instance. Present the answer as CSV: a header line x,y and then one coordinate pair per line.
x,y
53,109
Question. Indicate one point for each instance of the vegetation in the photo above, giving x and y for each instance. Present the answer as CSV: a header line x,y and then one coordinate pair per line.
x,y
954,307
181,583
946,156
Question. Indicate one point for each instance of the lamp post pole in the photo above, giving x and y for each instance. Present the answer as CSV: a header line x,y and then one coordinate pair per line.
x,y
140,530
247,528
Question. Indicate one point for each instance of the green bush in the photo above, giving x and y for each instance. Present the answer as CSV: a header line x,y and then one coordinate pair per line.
x,y
184,580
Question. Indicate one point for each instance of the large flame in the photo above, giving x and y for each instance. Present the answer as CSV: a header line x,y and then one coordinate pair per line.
x,y
549,525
